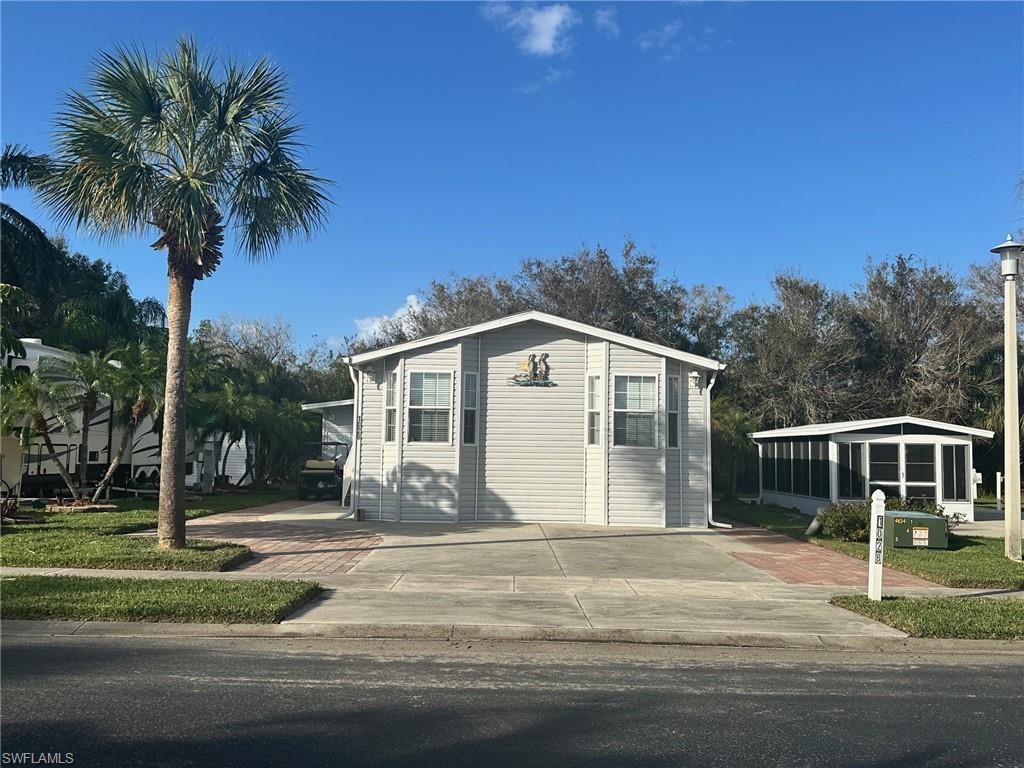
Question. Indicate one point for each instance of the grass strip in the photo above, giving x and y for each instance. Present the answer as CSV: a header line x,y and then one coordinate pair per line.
x,y
93,598
965,618
96,540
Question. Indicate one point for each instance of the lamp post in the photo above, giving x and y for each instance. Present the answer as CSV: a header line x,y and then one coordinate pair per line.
x,y
1010,252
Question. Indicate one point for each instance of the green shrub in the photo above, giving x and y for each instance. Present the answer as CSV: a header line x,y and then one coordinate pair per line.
x,y
850,520
846,520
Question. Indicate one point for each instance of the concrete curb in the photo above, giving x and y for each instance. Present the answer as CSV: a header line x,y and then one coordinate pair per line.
x,y
471,632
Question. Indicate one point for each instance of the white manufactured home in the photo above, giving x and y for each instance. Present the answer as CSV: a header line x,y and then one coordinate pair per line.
x,y
810,466
533,418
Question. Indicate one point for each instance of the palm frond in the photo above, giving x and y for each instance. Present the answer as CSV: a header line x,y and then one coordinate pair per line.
x,y
19,167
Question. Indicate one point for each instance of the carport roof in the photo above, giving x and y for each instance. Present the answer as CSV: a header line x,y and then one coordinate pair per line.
x,y
326,404
541,317
867,425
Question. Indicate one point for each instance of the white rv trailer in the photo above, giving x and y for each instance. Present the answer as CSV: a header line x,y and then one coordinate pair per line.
x,y
39,476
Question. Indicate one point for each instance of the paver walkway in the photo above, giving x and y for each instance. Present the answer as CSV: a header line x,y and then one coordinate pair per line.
x,y
281,548
797,562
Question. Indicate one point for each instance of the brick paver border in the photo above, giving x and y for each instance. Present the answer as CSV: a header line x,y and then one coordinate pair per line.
x,y
286,547
799,562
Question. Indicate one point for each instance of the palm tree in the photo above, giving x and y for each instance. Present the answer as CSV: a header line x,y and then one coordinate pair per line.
x,y
134,394
181,145
86,379
21,239
31,408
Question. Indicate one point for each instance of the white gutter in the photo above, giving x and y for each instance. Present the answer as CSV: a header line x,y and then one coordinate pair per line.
x,y
707,432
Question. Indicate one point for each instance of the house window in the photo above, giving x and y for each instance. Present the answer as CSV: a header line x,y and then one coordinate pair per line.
x,y
819,470
430,397
673,411
851,470
801,469
884,468
390,409
593,410
636,404
784,467
768,466
94,456
920,469
954,472
470,402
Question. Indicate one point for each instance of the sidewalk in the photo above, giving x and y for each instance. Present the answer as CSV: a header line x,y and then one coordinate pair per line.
x,y
404,605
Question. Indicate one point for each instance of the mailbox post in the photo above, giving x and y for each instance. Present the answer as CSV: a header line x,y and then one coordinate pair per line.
x,y
876,546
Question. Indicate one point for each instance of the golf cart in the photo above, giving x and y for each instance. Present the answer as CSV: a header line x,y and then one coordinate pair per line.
x,y
321,473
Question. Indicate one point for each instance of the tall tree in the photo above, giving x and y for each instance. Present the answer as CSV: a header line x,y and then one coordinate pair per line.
x,y
136,386
795,361
32,408
183,144
85,379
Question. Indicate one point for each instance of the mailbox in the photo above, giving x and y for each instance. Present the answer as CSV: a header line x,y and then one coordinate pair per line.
x,y
915,530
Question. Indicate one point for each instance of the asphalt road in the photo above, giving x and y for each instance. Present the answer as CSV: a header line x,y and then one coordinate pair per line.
x,y
273,702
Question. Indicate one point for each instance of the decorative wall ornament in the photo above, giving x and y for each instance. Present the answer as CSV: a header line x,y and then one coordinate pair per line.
x,y
534,371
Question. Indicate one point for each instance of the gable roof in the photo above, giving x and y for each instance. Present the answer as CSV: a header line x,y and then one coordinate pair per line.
x,y
866,425
540,317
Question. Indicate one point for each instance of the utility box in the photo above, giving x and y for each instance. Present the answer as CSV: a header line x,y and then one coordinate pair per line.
x,y
917,530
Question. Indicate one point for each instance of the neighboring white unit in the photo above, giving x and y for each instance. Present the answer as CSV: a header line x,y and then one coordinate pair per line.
x,y
810,466
337,419
531,418
39,473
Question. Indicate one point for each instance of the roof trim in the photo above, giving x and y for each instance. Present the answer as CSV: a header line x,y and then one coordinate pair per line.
x,y
326,404
866,425
540,317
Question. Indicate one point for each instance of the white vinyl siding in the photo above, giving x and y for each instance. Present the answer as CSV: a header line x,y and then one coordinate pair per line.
x,y
429,471
595,455
532,464
636,476
693,444
370,431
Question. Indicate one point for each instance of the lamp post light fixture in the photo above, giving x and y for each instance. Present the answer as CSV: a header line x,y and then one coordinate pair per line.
x,y
1010,253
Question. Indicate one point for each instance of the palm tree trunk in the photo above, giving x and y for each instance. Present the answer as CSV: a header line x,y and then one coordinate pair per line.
x,y
62,470
171,516
83,449
126,440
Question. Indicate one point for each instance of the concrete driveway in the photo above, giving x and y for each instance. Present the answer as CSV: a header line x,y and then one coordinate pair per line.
x,y
510,550
567,577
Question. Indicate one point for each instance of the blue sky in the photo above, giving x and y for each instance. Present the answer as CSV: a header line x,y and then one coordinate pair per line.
x,y
731,140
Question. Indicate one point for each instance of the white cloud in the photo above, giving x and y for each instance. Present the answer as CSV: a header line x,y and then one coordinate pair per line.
x,y
335,343
368,327
606,20
541,30
664,40
552,77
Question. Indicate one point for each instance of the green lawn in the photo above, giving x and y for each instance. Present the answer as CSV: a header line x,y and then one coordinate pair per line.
x,y
970,618
183,600
971,561
94,540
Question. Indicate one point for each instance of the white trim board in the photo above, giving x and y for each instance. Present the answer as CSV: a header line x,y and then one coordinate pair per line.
x,y
866,425
539,317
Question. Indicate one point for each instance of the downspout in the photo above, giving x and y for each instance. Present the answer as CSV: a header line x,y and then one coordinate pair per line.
x,y
356,438
707,454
